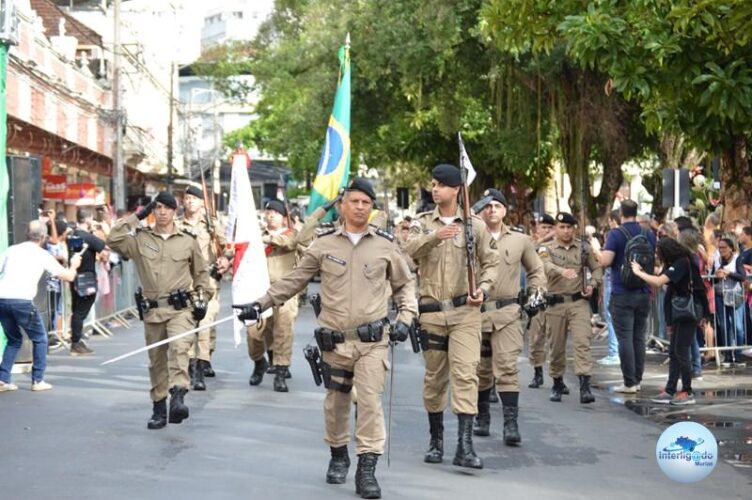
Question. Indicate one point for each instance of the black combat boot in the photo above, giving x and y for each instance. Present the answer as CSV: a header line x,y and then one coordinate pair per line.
x,y
271,368
208,370
197,379
288,375
338,465
483,418
465,455
158,415
259,369
564,388
585,395
178,410
557,390
435,453
511,431
279,379
365,482
537,378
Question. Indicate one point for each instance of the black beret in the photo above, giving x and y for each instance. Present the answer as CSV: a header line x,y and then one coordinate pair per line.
x,y
277,206
496,195
362,185
449,175
546,219
566,218
167,199
193,190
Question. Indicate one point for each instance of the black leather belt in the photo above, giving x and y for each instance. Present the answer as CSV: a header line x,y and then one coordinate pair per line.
x,y
561,298
493,304
444,305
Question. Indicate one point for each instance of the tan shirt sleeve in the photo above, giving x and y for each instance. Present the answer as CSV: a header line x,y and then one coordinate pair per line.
x,y
403,286
487,255
199,270
289,286
419,244
536,275
121,238
595,267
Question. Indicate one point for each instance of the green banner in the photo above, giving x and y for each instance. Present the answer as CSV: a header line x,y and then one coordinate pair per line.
x,y
4,184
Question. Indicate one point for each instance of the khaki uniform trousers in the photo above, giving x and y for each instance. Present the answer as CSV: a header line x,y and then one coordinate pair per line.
x,y
537,340
276,335
571,317
201,346
499,352
356,366
168,364
452,358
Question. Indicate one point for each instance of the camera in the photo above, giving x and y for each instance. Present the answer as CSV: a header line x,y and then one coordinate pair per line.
x,y
75,243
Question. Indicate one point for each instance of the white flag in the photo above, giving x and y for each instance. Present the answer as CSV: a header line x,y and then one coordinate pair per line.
x,y
465,161
250,275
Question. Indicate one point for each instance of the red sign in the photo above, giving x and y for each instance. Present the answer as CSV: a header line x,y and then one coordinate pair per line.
x,y
54,187
81,191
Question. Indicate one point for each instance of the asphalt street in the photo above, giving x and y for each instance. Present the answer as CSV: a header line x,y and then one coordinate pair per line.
x,y
87,438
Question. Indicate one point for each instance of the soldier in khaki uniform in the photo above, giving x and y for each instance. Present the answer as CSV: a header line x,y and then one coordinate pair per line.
x,y
168,261
450,318
282,244
194,220
502,340
569,309
537,331
358,265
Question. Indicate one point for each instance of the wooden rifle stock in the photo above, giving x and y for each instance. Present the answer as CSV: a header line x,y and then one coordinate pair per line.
x,y
210,216
469,236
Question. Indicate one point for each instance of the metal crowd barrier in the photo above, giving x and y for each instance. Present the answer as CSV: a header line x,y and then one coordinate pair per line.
x,y
116,306
730,322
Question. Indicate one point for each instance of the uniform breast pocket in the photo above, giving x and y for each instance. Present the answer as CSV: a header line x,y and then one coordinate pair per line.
x,y
182,256
512,256
149,252
331,270
375,272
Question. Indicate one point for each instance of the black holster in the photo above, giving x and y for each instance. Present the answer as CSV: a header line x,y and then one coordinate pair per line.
x,y
327,339
371,332
414,332
142,305
316,304
313,357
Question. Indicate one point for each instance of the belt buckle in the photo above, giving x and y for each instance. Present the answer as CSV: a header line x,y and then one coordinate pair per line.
x,y
447,304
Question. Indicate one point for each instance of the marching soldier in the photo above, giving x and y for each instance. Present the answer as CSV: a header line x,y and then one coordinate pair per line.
x,y
175,283
502,328
450,318
277,334
537,330
569,310
359,264
194,220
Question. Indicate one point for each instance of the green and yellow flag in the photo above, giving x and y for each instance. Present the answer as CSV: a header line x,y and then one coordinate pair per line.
x,y
334,167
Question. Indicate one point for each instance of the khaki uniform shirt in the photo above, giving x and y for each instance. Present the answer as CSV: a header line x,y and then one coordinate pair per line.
x,y
557,257
354,279
281,252
514,249
203,237
442,264
163,265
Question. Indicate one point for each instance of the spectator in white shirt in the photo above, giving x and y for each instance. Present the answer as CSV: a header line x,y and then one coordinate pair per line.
x,y
21,266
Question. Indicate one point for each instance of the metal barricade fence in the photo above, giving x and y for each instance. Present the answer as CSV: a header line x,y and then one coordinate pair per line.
x,y
730,322
116,306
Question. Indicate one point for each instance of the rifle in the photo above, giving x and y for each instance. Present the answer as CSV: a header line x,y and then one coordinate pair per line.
x,y
287,204
209,215
469,236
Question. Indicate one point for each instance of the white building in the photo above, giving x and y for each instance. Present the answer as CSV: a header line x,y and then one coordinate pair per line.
x,y
234,20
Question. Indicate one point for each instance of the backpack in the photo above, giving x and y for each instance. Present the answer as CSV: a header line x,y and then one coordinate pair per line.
x,y
638,249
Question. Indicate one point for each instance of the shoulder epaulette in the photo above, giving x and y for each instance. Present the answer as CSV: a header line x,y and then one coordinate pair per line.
x,y
516,229
423,214
325,231
383,233
188,232
326,225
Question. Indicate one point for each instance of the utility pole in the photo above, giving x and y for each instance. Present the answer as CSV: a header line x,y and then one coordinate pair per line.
x,y
170,167
119,194
8,37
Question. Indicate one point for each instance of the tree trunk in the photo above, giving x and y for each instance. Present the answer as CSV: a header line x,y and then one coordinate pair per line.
x,y
736,177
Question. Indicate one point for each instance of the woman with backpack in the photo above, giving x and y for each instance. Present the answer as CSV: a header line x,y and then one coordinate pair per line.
x,y
685,305
728,281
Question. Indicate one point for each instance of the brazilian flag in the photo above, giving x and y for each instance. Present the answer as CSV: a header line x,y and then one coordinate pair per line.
x,y
334,167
